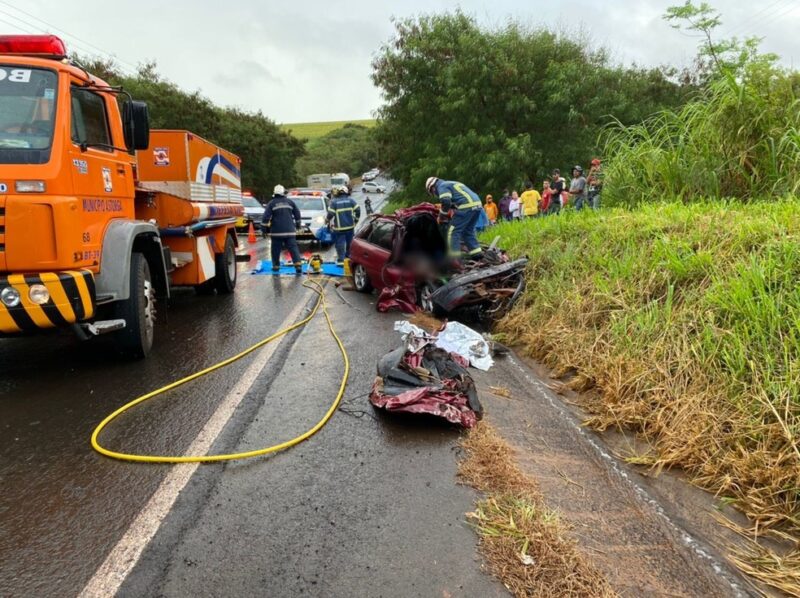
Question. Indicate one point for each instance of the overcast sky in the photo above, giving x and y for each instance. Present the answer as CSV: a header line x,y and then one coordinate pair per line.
x,y
309,60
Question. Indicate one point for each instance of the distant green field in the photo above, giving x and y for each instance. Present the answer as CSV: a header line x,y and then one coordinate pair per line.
x,y
314,130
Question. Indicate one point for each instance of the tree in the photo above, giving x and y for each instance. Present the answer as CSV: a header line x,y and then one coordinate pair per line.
x,y
352,149
716,57
268,154
492,107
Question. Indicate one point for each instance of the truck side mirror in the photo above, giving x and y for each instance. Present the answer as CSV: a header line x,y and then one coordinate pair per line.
x,y
136,117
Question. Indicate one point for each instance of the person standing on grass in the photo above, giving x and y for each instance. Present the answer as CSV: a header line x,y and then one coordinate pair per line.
x,y
530,201
282,218
491,210
595,182
577,188
505,201
556,189
343,215
547,195
514,207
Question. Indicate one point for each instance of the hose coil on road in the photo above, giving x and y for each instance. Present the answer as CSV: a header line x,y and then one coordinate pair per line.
x,y
319,290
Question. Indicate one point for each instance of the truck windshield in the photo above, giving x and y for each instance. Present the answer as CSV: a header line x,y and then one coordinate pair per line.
x,y
27,113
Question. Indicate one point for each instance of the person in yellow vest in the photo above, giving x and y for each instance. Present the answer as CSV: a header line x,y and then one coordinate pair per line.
x,y
491,209
530,201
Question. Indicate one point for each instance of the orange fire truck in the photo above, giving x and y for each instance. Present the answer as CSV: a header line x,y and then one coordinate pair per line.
x,y
99,216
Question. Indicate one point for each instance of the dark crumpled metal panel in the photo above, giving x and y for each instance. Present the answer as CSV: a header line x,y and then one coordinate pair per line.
x,y
426,380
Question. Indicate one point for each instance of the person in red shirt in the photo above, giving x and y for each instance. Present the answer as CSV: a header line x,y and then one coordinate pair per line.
x,y
546,195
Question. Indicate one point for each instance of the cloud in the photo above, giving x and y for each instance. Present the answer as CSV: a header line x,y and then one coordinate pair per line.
x,y
247,74
310,60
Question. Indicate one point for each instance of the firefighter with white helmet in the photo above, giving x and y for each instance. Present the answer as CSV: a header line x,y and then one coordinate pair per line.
x,y
282,218
343,215
466,207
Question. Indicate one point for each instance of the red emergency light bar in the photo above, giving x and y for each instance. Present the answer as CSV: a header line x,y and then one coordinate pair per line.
x,y
48,46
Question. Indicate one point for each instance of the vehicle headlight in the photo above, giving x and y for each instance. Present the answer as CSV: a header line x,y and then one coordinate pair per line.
x,y
10,297
319,220
39,294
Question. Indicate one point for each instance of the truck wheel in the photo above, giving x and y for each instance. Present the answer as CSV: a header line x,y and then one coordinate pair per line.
x,y
138,311
361,279
225,277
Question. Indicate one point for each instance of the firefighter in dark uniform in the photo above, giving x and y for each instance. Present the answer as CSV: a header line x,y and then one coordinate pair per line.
x,y
282,216
343,215
467,207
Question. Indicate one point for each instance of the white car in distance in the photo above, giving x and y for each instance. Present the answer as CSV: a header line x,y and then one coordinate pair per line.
x,y
372,187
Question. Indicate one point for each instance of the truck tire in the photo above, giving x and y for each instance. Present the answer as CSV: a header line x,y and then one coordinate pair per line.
x,y
361,279
138,311
225,277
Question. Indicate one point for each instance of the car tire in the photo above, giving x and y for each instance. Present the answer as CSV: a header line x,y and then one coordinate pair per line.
x,y
138,311
225,262
363,189
424,301
361,279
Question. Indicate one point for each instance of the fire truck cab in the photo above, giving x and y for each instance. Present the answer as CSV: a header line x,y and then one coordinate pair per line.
x,y
84,241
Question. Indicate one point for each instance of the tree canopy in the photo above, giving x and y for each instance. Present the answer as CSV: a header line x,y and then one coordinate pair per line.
x,y
494,106
352,149
268,154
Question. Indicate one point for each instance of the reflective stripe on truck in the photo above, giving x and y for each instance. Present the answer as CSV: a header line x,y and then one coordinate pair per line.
x,y
71,299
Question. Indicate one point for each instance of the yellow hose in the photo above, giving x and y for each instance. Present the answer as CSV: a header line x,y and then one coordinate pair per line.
x,y
317,288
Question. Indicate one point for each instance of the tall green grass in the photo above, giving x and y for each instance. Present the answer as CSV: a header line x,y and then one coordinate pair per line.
x,y
684,320
740,138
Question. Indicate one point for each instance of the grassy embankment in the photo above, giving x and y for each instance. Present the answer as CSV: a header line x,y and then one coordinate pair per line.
x,y
683,324
313,130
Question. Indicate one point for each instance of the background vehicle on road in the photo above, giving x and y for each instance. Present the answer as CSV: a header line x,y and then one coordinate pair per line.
x,y
372,187
340,179
319,181
99,215
370,175
253,212
313,206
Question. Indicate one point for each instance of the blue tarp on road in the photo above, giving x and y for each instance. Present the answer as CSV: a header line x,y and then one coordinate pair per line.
x,y
328,269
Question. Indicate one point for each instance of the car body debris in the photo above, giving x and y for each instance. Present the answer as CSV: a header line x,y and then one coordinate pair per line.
x,y
421,378
428,374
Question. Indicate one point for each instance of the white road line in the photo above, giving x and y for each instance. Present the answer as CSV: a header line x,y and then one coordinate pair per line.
x,y
123,557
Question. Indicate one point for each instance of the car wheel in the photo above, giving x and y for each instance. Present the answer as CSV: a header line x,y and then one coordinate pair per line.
x,y
425,298
361,279
138,311
363,189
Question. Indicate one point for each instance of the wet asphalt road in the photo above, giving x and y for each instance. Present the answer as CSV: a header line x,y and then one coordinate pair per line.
x,y
367,507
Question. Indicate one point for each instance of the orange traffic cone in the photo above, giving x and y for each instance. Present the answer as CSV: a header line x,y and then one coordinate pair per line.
x,y
251,234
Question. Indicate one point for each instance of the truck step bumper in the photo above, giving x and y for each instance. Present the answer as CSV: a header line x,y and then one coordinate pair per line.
x,y
71,299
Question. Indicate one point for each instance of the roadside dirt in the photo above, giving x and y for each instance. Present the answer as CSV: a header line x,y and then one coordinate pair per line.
x,y
649,536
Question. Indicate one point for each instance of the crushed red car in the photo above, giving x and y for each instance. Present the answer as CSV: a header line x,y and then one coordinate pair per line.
x,y
404,256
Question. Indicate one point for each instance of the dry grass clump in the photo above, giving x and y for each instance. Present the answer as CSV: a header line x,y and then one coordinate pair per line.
x,y
524,543
685,322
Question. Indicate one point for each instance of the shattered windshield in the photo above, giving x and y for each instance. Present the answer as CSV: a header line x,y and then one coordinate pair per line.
x,y
27,113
